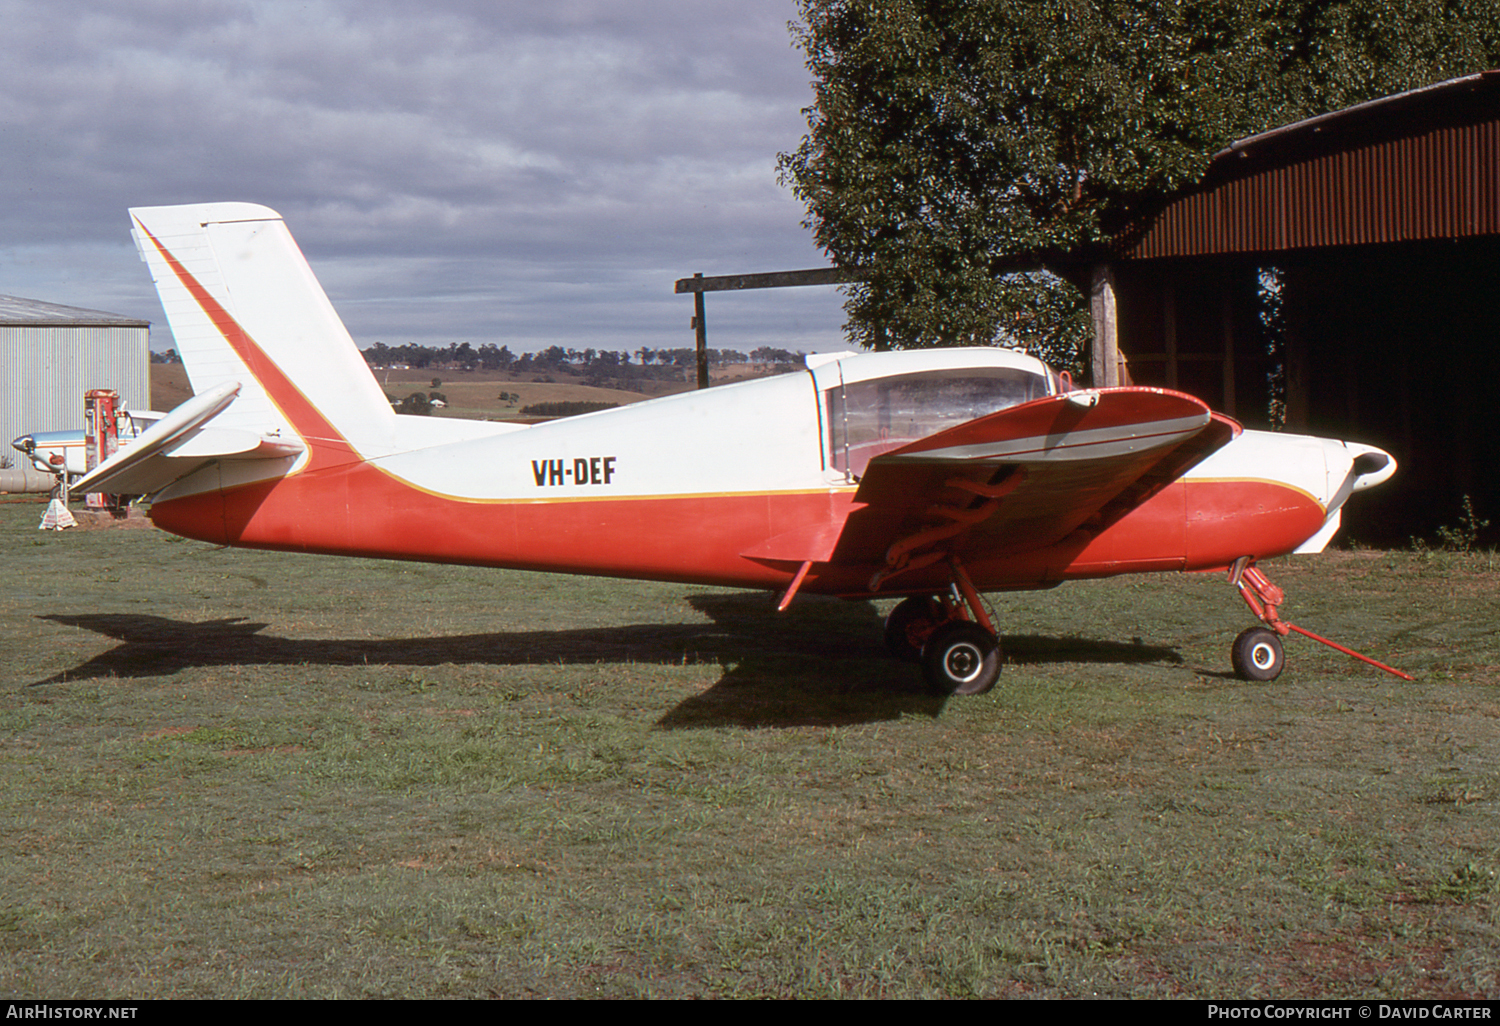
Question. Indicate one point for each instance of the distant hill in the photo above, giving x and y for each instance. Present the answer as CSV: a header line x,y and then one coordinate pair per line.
x,y
169,386
476,394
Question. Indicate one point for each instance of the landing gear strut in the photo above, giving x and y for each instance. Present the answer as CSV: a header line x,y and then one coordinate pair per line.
x,y
1257,653
950,635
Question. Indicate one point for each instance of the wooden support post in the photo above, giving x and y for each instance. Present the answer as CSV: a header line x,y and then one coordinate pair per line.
x,y
1106,350
701,330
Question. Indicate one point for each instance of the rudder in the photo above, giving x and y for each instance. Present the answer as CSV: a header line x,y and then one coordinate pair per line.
x,y
244,306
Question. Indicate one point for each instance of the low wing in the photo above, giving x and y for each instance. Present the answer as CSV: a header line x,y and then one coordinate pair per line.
x,y
1020,479
178,444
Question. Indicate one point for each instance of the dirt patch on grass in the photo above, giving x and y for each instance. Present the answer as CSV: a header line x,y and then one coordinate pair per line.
x,y
95,520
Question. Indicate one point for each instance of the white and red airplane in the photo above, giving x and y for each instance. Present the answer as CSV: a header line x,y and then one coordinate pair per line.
x,y
933,474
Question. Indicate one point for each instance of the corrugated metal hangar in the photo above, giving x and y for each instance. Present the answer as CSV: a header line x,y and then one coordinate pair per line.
x,y
1342,274
50,355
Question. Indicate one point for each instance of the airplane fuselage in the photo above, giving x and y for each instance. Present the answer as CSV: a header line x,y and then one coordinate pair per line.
x,y
605,494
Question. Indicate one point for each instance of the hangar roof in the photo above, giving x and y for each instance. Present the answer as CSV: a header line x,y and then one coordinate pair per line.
x,y
1423,164
16,312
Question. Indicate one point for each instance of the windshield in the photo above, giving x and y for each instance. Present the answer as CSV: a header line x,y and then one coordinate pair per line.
x,y
867,418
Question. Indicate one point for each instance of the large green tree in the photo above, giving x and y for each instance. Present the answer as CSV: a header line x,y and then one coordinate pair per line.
x,y
954,142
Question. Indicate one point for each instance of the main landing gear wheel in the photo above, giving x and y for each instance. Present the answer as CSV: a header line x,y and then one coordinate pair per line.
x,y
961,658
910,625
1257,654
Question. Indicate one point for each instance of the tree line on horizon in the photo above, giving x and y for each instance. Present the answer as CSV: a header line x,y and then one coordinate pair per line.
x,y
466,357
638,363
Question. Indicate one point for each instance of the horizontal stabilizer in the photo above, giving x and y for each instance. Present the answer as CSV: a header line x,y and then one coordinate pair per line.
x,y
234,444
179,444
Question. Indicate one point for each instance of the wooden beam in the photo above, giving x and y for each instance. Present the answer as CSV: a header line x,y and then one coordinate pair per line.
x,y
770,280
697,285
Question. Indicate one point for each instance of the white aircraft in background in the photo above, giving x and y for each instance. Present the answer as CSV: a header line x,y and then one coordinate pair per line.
x,y
52,451
932,474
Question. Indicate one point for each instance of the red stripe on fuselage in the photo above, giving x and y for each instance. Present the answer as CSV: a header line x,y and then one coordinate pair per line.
x,y
361,511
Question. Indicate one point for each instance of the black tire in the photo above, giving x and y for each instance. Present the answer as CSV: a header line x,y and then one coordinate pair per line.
x,y
961,659
1257,654
909,625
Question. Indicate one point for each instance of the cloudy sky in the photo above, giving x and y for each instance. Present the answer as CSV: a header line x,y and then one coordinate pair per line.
x,y
523,172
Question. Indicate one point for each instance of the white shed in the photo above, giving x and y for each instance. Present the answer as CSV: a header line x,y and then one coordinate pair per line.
x,y
50,355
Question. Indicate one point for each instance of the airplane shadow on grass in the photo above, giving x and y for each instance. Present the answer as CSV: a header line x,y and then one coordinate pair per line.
x,y
822,662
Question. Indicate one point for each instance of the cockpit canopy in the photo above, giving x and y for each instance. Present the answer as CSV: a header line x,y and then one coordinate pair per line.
x,y
878,414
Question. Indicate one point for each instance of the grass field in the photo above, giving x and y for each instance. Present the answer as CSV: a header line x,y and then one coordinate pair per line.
x,y
242,774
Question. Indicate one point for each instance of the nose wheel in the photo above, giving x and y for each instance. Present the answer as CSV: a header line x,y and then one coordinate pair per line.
x,y
1257,654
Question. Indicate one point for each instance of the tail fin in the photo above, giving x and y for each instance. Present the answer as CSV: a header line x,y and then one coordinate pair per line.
x,y
245,307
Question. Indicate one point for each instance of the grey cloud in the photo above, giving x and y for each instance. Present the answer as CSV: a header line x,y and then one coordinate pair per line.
x,y
475,148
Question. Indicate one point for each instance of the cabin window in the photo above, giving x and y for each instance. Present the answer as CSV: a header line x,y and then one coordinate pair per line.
x,y
867,418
